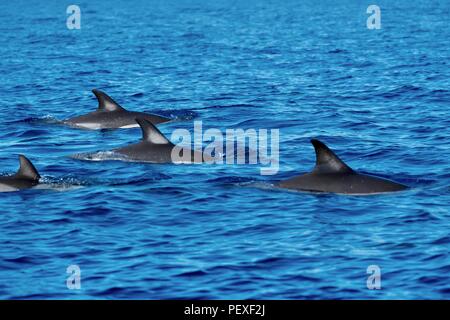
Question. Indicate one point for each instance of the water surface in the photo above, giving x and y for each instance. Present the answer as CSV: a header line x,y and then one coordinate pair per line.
x,y
379,98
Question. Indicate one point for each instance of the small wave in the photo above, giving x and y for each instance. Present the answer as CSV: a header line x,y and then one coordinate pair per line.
x,y
231,180
226,106
405,90
198,273
57,187
20,260
260,185
59,184
337,50
32,133
177,115
48,119
193,36
444,240
101,156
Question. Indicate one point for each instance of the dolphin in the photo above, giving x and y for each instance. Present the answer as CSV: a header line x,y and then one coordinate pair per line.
x,y
332,175
110,115
156,148
26,177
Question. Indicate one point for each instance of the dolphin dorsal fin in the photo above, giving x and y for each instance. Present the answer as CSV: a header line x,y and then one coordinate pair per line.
x,y
150,133
326,160
27,170
105,102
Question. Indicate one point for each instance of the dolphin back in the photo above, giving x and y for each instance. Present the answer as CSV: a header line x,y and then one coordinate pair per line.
x,y
106,103
27,171
327,160
150,133
331,174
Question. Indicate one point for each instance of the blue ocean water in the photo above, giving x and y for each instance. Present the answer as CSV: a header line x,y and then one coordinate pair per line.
x,y
379,98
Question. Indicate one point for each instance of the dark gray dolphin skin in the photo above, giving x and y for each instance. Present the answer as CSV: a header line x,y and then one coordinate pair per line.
x,y
110,115
156,148
332,175
25,178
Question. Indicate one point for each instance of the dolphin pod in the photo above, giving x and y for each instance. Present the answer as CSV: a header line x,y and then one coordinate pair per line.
x,y
110,115
330,173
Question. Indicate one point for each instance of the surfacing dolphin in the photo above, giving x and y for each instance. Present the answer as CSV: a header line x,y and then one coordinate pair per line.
x,y
26,177
156,148
110,115
331,174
